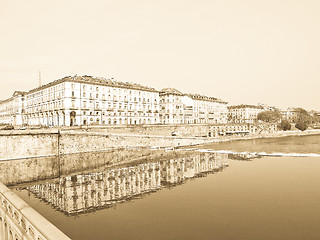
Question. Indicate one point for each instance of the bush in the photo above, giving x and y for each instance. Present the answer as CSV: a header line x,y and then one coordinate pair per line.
x,y
284,125
301,126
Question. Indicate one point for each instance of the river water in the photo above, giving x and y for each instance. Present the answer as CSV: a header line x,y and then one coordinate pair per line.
x,y
199,196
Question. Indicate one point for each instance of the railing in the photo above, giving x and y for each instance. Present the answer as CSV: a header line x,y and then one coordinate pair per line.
x,y
19,221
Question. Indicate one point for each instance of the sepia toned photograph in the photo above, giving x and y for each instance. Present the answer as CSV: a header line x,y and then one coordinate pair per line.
x,y
160,120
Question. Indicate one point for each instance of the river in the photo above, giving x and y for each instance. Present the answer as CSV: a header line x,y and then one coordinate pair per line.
x,y
201,196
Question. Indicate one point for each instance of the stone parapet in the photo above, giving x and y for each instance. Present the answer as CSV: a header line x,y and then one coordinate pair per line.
x,y
19,221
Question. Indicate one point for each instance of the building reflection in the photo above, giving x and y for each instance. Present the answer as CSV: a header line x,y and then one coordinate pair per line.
x,y
91,191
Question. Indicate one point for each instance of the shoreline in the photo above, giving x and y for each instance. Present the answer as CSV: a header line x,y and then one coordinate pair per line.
x,y
278,134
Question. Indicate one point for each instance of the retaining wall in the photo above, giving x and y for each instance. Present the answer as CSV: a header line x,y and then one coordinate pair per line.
x,y
28,144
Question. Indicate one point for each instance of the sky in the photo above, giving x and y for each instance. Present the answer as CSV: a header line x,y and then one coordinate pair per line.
x,y
241,51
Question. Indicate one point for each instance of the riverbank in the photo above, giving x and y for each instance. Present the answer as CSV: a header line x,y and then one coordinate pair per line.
x,y
29,156
278,134
52,143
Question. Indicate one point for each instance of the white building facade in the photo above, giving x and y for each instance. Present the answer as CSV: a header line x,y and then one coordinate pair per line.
x,y
12,110
209,109
86,100
244,113
179,108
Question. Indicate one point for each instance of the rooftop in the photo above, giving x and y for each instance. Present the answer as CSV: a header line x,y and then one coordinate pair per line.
x,y
97,81
205,98
245,106
170,91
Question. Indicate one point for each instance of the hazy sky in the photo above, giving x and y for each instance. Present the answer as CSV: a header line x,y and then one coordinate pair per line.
x,y
242,51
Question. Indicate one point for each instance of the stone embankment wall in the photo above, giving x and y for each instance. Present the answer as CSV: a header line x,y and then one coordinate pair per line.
x,y
17,144
28,144
74,142
185,130
19,221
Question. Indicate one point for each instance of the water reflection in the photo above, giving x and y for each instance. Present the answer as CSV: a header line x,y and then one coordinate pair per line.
x,y
91,191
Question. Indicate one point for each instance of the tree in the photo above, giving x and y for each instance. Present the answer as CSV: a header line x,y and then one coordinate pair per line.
x,y
301,126
269,116
303,119
302,116
284,125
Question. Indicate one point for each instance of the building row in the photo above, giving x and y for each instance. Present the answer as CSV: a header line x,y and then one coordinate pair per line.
x,y
86,100
249,113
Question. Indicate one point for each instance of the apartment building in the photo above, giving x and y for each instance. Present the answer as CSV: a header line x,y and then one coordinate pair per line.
x,y
12,110
82,100
289,114
209,109
244,113
177,108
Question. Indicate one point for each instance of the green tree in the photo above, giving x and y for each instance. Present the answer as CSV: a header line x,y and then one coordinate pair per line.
x,y
269,116
284,125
